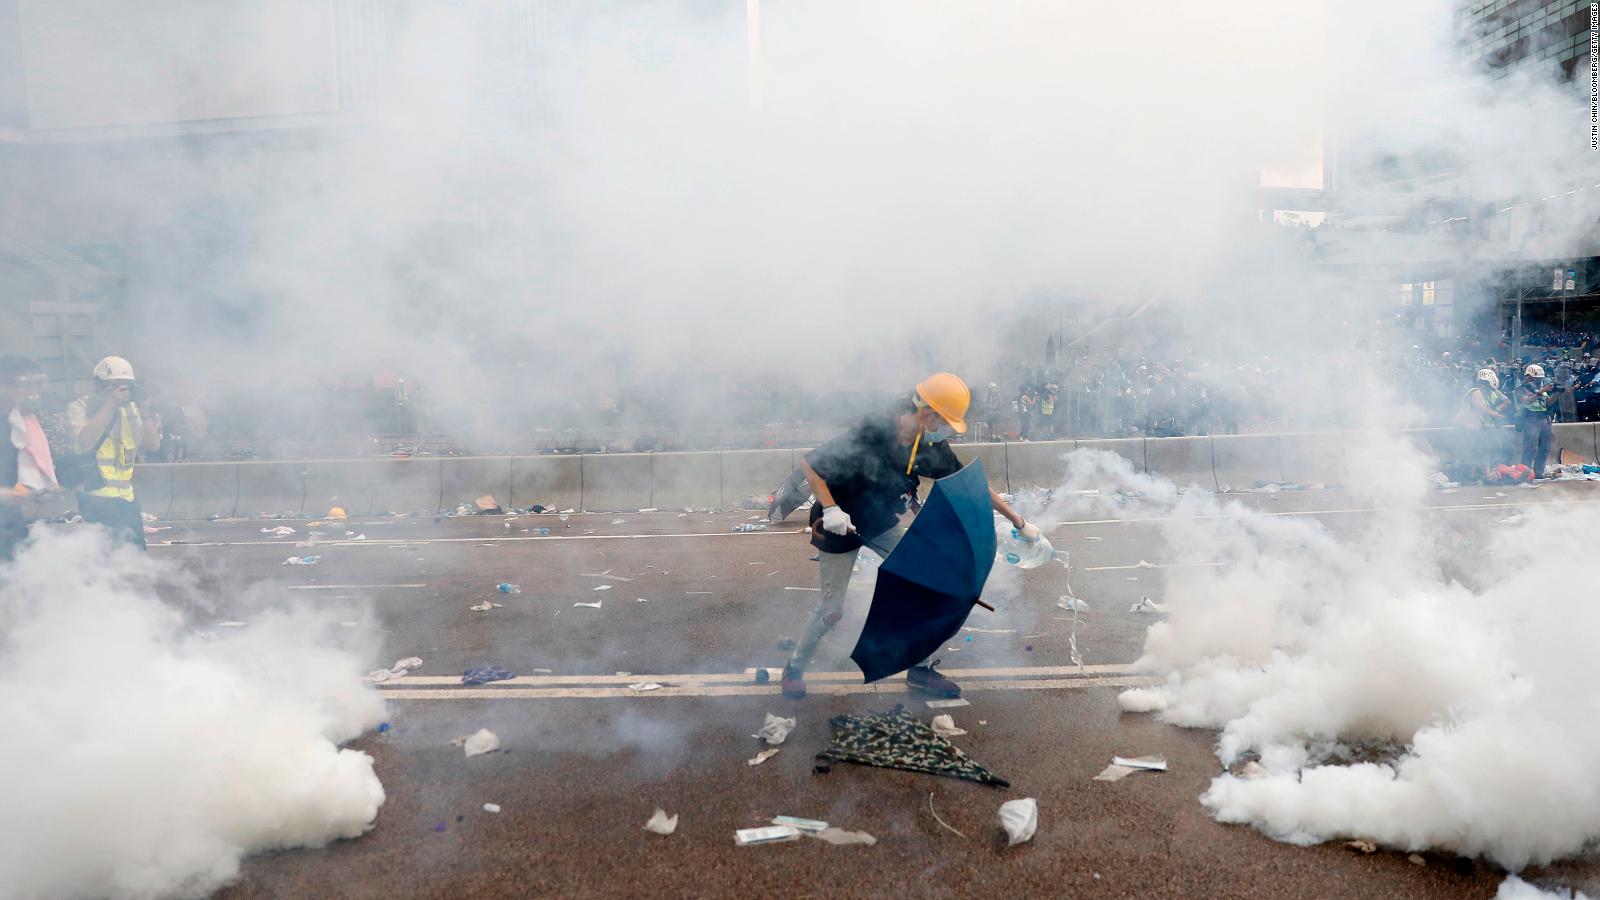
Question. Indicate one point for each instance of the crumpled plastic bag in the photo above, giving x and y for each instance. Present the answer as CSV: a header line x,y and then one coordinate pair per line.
x,y
1020,819
661,823
840,836
776,730
484,741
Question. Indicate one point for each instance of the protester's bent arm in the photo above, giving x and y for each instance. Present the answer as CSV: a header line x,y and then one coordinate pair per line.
x,y
1004,509
818,486
96,424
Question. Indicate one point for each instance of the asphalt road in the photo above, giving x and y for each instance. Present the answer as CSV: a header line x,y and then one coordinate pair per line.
x,y
695,608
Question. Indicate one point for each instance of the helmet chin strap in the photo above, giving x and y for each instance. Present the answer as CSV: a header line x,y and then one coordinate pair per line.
x,y
914,445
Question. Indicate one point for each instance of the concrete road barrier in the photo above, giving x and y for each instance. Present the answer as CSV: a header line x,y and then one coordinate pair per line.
x,y
464,479
407,485
202,490
1312,458
152,487
687,479
552,480
270,487
1184,461
1131,449
346,484
614,482
746,473
1579,437
994,461
1243,459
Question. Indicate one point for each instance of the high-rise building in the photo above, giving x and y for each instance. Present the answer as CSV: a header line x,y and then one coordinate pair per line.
x,y
1508,35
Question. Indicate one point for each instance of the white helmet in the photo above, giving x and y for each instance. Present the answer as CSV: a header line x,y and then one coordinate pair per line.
x,y
1489,377
1534,370
113,368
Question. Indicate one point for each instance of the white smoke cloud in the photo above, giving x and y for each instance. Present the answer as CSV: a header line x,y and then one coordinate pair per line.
x,y
1412,682
142,759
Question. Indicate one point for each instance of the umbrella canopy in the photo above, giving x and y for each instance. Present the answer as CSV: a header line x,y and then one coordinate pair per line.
x,y
927,585
789,496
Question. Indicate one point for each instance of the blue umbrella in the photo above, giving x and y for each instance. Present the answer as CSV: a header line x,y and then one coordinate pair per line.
x,y
928,584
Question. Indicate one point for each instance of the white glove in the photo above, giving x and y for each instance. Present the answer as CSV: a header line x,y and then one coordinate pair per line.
x,y
835,520
1029,532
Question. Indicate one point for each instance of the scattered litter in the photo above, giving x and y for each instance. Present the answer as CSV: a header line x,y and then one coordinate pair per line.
x,y
1363,846
1510,520
605,574
809,826
642,686
487,505
440,827
1416,860
602,587
776,730
1090,537
840,836
761,757
506,587
1146,565
1020,819
491,807
400,668
383,727
1073,604
948,704
1146,605
661,823
990,630
477,744
747,528
640,600
772,834
945,726
942,822
302,560
619,521
1150,763
486,674
1114,773
594,605
485,606
280,531
802,589
359,537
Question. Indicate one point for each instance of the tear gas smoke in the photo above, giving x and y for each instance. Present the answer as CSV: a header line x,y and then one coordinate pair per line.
x,y
142,759
1399,682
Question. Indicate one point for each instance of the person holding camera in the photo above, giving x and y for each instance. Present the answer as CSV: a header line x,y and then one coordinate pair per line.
x,y
1533,405
107,427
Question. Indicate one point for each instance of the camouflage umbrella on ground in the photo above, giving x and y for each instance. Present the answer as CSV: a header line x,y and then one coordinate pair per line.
x,y
896,740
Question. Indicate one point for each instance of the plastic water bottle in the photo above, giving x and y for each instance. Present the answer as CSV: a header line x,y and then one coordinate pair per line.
x,y
1018,552
544,532
507,588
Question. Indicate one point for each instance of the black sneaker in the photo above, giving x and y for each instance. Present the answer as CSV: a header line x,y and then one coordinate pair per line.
x,y
928,680
794,683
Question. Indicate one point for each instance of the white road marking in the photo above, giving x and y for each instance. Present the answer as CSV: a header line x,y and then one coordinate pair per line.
x,y
346,587
742,690
745,676
1153,566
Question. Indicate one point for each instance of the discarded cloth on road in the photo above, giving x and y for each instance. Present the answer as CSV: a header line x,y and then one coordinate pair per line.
x,y
486,674
400,669
896,740
661,823
478,743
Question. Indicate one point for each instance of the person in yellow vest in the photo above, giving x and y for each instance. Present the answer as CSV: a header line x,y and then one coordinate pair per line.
x,y
108,425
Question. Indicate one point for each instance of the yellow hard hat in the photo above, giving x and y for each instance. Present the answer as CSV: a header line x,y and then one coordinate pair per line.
x,y
949,397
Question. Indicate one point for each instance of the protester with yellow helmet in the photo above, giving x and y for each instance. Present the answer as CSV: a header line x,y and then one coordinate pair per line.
x,y
861,479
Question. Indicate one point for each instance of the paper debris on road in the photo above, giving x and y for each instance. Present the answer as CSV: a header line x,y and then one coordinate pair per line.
x,y
761,757
1020,819
840,836
1146,605
661,823
619,521
485,606
1152,763
1072,604
641,686
772,834
1363,846
945,726
601,587
479,743
776,730
280,531
400,668
302,560
1510,520
491,807
810,826
948,704
594,605
1114,773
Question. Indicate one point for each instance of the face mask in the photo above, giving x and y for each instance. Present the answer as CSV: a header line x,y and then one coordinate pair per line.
x,y
944,433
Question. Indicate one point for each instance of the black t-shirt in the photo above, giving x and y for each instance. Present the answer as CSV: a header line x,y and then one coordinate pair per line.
x,y
865,470
8,458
